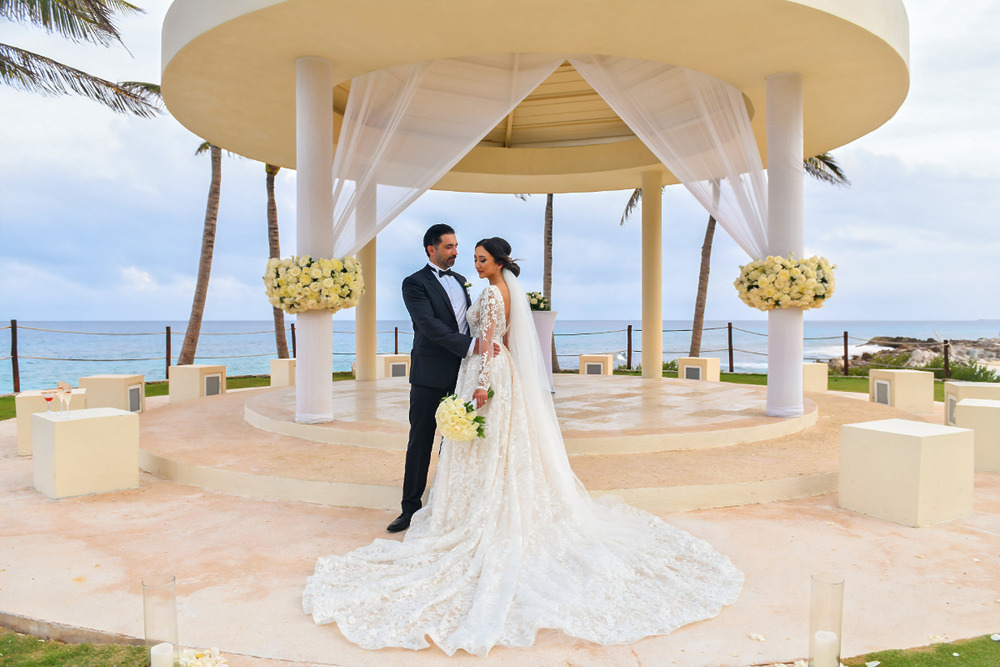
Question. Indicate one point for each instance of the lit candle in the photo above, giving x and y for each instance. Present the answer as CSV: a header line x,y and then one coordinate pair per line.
x,y
826,649
161,655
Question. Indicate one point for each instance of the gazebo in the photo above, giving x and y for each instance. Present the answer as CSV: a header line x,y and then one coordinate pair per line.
x,y
375,102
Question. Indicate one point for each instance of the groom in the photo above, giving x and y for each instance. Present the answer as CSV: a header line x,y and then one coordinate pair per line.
x,y
436,298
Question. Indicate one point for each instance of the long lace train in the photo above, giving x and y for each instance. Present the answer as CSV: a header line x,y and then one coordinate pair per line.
x,y
511,543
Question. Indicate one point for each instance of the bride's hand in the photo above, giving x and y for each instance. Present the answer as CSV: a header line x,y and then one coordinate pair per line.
x,y
480,396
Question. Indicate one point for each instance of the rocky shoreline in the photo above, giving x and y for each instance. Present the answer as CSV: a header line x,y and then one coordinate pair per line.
x,y
917,353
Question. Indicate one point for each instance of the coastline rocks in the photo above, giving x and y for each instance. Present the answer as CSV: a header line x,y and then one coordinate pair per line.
x,y
906,352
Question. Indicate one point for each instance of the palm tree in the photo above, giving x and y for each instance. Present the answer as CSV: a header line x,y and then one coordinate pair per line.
x,y
547,265
190,344
79,21
822,167
274,250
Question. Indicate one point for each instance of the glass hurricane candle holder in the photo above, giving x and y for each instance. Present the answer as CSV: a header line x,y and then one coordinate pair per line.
x,y
826,619
159,612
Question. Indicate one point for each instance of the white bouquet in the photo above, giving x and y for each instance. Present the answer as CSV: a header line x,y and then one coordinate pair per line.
x,y
785,282
458,421
307,283
538,302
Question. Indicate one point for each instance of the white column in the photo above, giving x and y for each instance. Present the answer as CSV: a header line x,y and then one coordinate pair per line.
x,y
784,235
314,231
365,326
652,275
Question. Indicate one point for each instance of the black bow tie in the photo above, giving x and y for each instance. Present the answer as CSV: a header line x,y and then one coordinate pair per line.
x,y
445,272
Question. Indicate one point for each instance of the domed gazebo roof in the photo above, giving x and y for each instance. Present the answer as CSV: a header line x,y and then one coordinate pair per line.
x,y
229,71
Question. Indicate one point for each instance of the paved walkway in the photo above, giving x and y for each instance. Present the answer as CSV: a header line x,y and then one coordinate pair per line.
x,y
241,564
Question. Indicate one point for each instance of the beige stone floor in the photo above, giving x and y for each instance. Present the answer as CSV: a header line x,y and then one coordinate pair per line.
x,y
241,564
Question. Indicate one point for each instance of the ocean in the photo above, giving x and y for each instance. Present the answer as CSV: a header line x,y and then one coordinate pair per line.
x,y
52,351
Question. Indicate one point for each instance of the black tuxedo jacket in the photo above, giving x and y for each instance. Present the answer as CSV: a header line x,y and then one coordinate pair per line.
x,y
438,346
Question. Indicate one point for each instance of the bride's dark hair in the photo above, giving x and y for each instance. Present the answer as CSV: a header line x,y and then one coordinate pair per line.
x,y
499,250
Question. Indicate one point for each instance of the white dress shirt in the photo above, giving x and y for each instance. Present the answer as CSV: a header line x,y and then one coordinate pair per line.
x,y
456,293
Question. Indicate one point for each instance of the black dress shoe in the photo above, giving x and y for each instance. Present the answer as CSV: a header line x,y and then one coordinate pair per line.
x,y
401,523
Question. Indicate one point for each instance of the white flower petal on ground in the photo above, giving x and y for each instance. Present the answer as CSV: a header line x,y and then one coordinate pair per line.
x,y
873,663
937,639
995,638
757,637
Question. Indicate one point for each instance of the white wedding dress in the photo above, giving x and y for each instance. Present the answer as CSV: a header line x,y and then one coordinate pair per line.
x,y
510,542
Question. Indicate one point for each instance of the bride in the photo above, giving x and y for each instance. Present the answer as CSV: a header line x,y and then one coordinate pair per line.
x,y
510,542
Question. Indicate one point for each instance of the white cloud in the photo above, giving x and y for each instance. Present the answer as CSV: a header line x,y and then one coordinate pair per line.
x,y
117,205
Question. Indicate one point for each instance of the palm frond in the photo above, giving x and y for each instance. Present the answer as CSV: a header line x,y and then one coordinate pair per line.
x,y
37,73
522,197
206,146
633,203
78,20
148,92
824,167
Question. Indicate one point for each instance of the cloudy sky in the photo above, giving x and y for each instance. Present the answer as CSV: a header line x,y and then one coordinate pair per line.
x,y
101,215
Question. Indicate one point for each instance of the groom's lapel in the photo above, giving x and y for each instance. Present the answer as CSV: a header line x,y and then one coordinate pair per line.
x,y
465,288
438,288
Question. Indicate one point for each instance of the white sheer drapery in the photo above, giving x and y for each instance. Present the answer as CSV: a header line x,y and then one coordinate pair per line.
x,y
406,127
699,128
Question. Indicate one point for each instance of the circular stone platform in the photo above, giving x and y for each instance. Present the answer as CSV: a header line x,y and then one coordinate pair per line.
x,y
209,443
598,415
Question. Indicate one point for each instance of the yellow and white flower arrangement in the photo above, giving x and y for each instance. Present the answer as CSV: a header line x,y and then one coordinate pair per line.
x,y
306,283
538,302
458,421
201,658
786,282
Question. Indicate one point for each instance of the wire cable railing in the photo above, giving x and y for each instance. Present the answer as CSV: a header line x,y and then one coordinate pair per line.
x,y
628,352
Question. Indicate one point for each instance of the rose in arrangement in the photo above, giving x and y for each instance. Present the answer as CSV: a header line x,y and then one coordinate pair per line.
x,y
306,283
537,301
458,421
786,282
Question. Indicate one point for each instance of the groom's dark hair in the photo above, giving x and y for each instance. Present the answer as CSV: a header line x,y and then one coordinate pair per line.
x,y
433,235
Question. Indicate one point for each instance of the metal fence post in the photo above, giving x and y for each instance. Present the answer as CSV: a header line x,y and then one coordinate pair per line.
x,y
730,327
166,371
628,357
397,341
846,360
15,373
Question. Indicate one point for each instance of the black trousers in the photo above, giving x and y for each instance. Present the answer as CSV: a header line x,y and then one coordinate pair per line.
x,y
423,404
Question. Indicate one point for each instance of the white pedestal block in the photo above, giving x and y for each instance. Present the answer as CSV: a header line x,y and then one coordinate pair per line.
x,y
957,390
982,415
282,372
94,450
597,364
815,377
698,368
908,472
908,390
196,381
123,392
28,403
392,366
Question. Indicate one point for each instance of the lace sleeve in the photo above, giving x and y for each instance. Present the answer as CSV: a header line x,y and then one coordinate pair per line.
x,y
491,314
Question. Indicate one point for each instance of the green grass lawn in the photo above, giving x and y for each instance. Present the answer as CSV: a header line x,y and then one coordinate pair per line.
x,y
976,652
18,650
